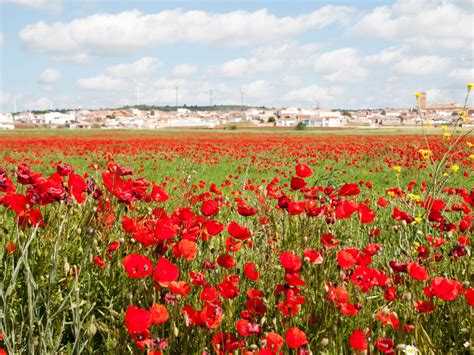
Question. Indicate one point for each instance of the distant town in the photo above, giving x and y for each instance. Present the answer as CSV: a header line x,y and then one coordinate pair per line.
x,y
149,117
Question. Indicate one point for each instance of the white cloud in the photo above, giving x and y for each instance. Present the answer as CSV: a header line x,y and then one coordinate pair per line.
x,y
49,5
75,58
256,89
462,75
6,101
102,83
142,67
312,94
269,59
343,65
424,65
131,31
49,76
184,70
424,24
386,56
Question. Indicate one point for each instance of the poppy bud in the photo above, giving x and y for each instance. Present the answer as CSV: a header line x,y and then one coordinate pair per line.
x,y
324,342
400,347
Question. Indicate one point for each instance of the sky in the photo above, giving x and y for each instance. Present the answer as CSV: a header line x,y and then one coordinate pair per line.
x,y
340,54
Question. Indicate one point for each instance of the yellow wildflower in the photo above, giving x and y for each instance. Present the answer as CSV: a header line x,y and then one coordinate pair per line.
x,y
447,136
425,153
444,127
471,156
417,95
455,168
469,144
397,169
414,197
469,86
392,194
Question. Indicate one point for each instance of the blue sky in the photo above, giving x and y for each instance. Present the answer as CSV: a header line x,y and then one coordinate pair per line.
x,y
344,54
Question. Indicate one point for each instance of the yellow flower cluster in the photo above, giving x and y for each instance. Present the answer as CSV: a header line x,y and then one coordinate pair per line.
x,y
397,169
425,153
447,136
414,197
455,168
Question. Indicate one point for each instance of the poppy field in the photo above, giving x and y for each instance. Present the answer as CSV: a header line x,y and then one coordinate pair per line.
x,y
204,242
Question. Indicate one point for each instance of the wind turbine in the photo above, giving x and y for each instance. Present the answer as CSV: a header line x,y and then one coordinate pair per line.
x,y
241,98
137,91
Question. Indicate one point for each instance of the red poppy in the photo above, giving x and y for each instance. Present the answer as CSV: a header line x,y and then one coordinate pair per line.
x,y
245,328
159,314
185,248
295,338
347,258
446,289
290,261
328,240
99,261
424,306
78,186
384,345
274,342
137,266
214,227
238,231
209,208
179,288
358,340
417,272
470,296
349,189
137,319
250,272
158,194
297,183
303,170
165,272
226,261
313,256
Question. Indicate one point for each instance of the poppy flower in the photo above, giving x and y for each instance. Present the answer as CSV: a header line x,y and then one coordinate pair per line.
x,y
137,319
417,272
346,258
313,256
295,338
238,231
213,227
446,289
179,288
274,342
290,261
159,314
186,248
424,306
158,194
165,272
226,261
99,261
303,170
78,186
245,328
349,189
358,341
209,208
297,183
137,266
470,296
250,272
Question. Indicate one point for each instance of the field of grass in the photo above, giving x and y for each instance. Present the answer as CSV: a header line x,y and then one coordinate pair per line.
x,y
253,241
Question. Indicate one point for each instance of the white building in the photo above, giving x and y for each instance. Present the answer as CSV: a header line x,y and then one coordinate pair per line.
x,y
6,121
191,122
57,118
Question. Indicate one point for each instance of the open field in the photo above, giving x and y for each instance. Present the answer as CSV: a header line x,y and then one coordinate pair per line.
x,y
254,241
